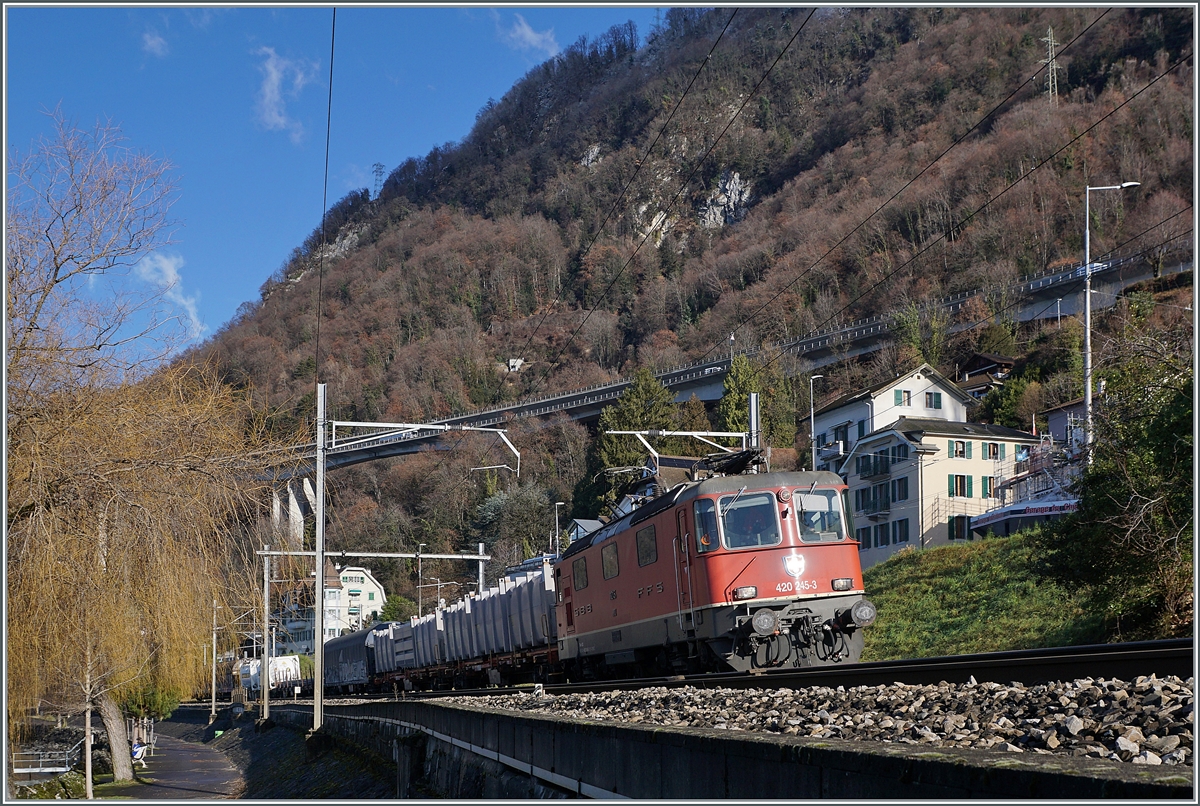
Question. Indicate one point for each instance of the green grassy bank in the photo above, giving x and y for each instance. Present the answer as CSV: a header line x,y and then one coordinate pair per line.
x,y
980,596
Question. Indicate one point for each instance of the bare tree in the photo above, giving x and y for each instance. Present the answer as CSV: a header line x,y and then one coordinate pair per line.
x,y
124,481
82,210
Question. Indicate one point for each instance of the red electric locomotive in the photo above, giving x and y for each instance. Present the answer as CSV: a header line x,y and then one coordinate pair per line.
x,y
734,572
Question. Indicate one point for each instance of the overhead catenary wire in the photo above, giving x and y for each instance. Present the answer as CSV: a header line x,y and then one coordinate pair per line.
x,y
984,118
674,200
324,205
888,276
1070,289
638,165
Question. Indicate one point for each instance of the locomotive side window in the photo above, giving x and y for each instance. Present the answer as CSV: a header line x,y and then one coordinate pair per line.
x,y
579,571
608,561
749,521
820,515
706,525
647,546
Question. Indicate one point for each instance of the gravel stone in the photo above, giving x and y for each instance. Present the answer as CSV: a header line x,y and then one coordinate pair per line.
x,y
1146,721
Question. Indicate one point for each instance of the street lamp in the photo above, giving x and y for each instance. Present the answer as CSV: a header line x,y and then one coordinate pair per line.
x,y
1087,303
731,351
557,504
812,417
420,546
437,583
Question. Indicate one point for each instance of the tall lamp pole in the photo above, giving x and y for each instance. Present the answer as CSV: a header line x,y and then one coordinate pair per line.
x,y
1087,302
420,601
812,418
557,504
212,716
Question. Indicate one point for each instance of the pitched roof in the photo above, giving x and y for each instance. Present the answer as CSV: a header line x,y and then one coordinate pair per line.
x,y
914,430
870,391
1069,404
946,428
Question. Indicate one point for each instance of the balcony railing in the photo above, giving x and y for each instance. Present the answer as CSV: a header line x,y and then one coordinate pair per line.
x,y
876,507
874,466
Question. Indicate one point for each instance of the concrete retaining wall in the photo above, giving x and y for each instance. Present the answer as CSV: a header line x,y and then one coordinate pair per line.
x,y
506,753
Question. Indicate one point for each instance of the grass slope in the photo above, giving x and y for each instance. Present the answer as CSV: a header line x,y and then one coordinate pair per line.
x,y
980,596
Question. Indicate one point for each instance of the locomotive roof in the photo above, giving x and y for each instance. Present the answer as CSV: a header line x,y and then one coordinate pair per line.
x,y
684,492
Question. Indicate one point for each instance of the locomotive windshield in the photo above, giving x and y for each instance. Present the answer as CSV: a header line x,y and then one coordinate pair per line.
x,y
749,521
820,514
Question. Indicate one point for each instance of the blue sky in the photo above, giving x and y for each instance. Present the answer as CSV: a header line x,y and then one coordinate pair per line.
x,y
236,99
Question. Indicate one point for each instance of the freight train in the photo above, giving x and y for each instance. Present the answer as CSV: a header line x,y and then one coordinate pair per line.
x,y
724,571
245,673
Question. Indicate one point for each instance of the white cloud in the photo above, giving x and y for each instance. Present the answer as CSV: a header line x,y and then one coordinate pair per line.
x,y
282,79
162,272
522,37
154,44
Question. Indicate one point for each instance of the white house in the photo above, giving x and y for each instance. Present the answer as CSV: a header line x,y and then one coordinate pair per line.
x,y
354,603
918,481
353,600
923,393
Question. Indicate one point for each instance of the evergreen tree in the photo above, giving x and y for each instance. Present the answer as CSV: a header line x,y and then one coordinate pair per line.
x,y
776,401
644,405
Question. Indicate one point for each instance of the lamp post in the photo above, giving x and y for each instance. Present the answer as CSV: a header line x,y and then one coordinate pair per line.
x,y
420,612
1087,303
437,583
731,351
812,417
557,504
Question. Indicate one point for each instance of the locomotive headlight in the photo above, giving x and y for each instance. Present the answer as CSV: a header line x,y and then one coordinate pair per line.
x,y
748,592
843,584
765,622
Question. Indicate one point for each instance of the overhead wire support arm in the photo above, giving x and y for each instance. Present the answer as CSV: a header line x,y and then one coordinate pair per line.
x,y
374,555
400,429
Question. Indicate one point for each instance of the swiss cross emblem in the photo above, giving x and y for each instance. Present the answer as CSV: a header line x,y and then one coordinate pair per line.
x,y
794,564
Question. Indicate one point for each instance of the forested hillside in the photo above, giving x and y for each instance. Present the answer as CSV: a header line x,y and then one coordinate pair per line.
x,y
636,199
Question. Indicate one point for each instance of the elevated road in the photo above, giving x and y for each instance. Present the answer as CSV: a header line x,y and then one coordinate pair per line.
x,y
1042,296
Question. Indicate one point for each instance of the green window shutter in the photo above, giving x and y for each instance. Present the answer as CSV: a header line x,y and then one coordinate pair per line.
x,y
950,447
1001,450
937,400
950,484
968,484
898,397
968,449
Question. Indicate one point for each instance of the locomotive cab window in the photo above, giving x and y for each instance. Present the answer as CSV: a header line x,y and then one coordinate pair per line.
x,y
749,521
608,561
820,514
706,525
647,546
579,572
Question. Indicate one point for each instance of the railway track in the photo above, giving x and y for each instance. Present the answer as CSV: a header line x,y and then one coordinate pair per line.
x,y
1125,661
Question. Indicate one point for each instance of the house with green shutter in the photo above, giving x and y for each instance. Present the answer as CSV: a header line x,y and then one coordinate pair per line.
x,y
917,470
918,481
923,392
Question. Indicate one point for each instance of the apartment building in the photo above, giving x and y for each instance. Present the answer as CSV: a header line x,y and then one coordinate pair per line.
x,y
918,481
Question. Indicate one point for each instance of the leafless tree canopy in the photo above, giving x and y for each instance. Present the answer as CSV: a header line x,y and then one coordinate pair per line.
x,y
83,209
127,482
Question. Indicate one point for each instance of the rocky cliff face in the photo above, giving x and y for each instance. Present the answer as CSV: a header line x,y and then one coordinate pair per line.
x,y
727,204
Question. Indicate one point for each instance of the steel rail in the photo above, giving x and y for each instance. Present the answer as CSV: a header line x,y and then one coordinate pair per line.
x,y
1124,661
